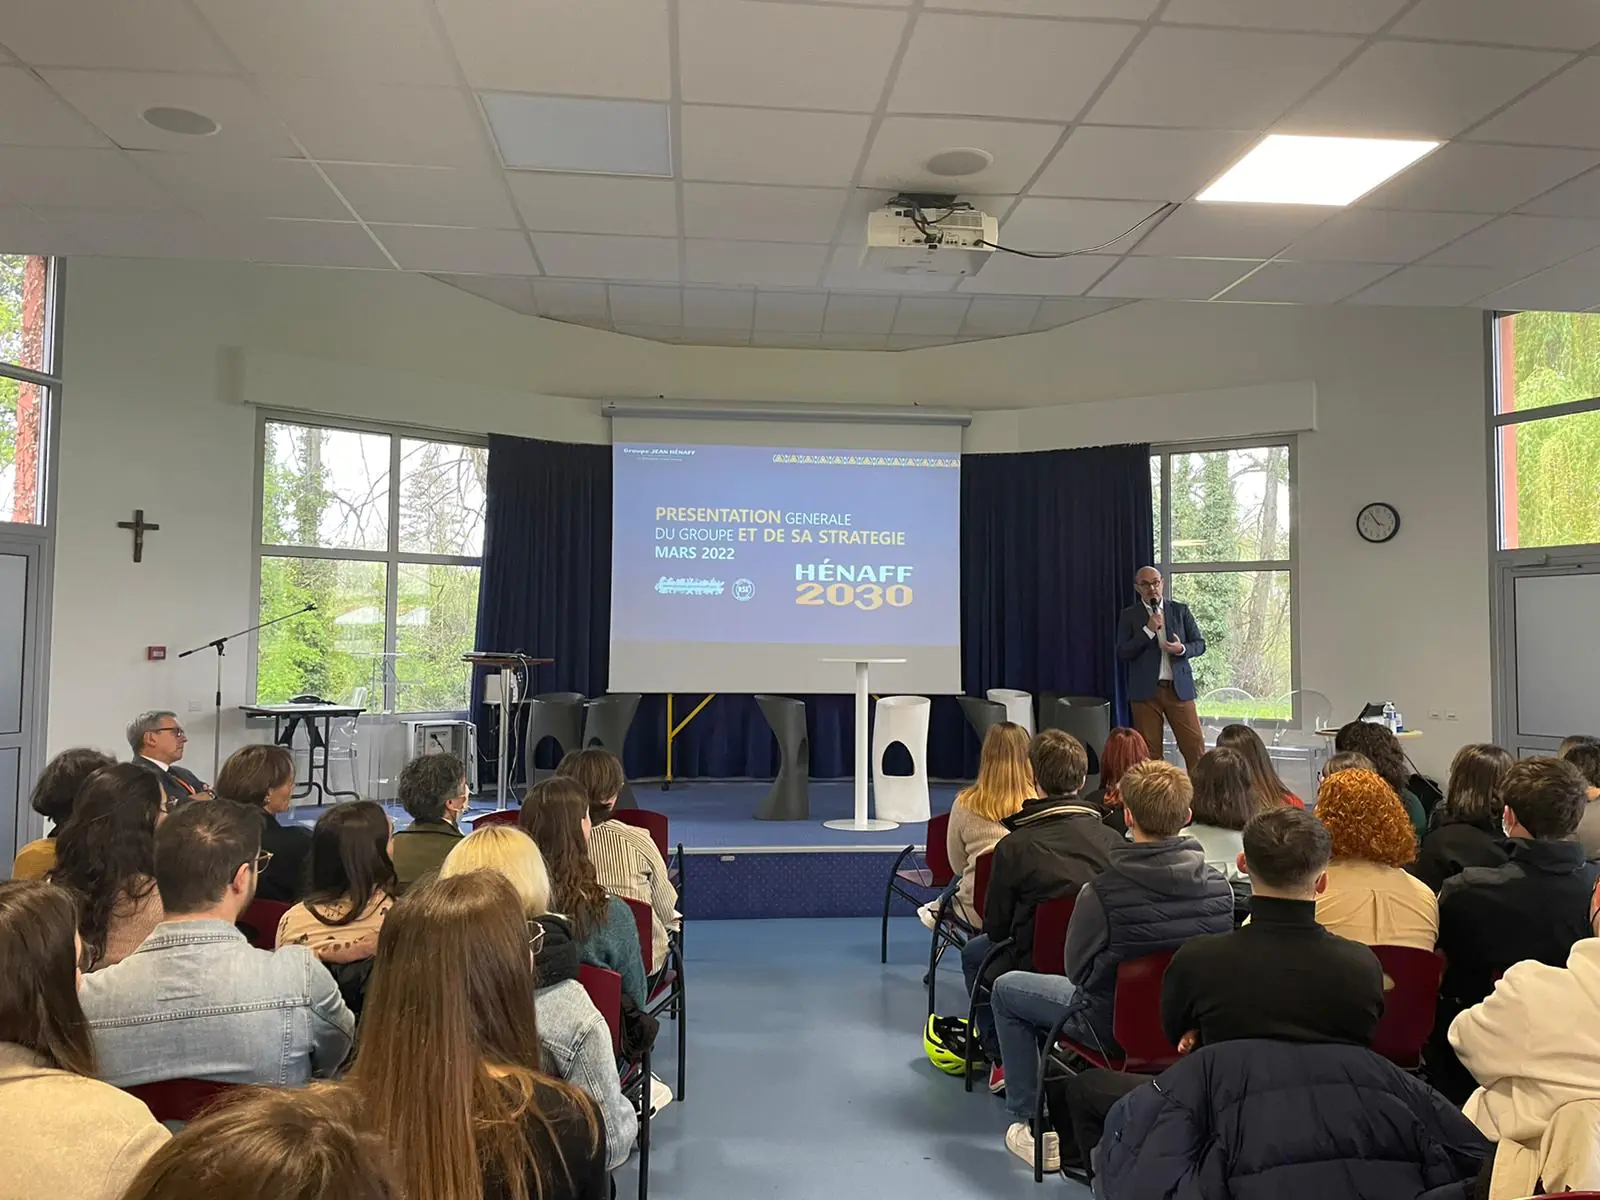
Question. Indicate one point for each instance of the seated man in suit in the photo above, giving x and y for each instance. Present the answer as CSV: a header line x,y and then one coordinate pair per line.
x,y
1156,638
157,741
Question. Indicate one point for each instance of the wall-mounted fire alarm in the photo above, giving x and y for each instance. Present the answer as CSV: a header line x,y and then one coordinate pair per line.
x,y
155,653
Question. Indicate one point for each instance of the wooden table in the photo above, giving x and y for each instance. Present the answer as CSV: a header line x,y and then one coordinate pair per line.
x,y
310,714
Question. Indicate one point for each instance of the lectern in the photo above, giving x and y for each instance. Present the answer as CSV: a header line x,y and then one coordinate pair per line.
x,y
508,664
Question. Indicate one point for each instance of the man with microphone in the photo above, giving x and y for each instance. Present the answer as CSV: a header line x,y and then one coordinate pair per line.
x,y
1157,638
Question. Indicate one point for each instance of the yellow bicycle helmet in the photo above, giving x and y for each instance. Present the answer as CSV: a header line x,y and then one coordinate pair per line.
x,y
944,1040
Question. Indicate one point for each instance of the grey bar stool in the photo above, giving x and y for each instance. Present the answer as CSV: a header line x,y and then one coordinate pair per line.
x,y
554,715
1087,718
790,797
606,722
982,715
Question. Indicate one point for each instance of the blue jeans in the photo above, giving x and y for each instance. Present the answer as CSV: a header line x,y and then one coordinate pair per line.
x,y
972,955
1024,1006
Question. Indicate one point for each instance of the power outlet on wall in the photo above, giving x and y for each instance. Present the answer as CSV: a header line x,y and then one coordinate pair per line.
x,y
197,706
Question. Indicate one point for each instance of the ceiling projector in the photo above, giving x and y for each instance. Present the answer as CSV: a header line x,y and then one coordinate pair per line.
x,y
929,235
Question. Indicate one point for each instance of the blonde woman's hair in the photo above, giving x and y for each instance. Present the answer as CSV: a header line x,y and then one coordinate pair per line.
x,y
1005,777
511,854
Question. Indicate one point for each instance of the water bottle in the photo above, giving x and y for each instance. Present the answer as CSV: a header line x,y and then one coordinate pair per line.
x,y
1391,718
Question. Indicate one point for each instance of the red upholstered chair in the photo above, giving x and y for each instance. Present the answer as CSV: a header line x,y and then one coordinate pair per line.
x,y
950,929
504,816
605,990
180,1099
1050,921
1136,1025
916,882
259,923
1411,983
666,992
982,870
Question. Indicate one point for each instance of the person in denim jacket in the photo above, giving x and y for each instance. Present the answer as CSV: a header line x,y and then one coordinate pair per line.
x,y
196,1000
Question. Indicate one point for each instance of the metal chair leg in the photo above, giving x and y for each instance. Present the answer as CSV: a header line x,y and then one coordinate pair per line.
x,y
644,1126
978,988
888,900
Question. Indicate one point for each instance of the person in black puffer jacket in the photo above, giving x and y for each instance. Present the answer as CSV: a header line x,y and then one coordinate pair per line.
x,y
1465,831
1260,1120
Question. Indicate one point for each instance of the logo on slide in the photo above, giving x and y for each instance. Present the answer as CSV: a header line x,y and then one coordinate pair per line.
x,y
743,589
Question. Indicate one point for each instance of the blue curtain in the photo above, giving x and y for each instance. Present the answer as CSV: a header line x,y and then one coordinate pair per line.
x,y
1050,541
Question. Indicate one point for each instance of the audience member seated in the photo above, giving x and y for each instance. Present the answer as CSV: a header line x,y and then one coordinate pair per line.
x,y
450,1067
1388,760
1465,830
625,857
433,789
555,814
574,1036
106,854
1255,1119
1224,801
1370,898
263,777
54,794
1281,977
68,1136
303,1144
1534,1050
1574,740
196,1000
1056,844
1155,894
1005,781
1586,757
1123,748
157,741
1533,907
1271,792
1345,760
351,889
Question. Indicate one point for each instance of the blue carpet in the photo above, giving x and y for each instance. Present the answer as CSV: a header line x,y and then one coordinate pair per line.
x,y
807,1078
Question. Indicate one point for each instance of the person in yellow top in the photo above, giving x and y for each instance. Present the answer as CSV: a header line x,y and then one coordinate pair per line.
x,y
1370,897
54,794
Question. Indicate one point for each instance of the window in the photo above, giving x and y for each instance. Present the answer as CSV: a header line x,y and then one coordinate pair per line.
x,y
1225,540
383,533
27,383
1547,429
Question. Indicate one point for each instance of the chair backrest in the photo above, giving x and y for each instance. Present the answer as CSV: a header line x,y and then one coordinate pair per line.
x,y
1050,935
653,823
605,989
1136,1014
179,1099
937,852
259,923
505,816
643,920
1411,994
982,867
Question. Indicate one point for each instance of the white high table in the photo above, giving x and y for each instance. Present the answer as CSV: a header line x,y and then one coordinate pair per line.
x,y
861,823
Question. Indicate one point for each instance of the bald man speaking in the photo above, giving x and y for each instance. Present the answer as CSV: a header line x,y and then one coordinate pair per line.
x,y
1156,638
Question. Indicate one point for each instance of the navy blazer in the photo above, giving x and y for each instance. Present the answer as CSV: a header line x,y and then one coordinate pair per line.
x,y
1142,652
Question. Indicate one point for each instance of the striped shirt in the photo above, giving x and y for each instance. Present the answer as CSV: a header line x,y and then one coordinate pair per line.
x,y
628,864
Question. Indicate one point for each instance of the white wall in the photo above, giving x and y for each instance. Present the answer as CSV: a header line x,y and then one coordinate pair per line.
x,y
160,358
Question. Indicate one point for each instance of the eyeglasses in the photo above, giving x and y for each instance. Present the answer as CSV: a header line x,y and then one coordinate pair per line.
x,y
177,729
535,937
262,860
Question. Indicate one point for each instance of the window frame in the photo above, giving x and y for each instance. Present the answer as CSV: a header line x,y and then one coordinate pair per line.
x,y
1291,565
391,556
49,382
1497,421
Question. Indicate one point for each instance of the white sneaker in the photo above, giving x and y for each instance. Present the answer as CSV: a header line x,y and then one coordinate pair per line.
x,y
661,1096
928,914
1019,1140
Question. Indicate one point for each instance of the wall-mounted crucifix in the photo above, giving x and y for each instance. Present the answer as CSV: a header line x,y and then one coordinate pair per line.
x,y
139,526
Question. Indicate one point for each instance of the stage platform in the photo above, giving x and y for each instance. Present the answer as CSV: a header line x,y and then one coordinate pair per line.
x,y
737,867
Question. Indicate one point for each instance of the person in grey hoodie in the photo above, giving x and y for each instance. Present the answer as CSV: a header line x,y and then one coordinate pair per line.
x,y
1155,894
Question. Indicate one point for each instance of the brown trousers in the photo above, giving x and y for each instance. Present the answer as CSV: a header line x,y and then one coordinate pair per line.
x,y
1180,714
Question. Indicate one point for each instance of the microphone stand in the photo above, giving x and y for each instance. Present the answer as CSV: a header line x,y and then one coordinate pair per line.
x,y
221,647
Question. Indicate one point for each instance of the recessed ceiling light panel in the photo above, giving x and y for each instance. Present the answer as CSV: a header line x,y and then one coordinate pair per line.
x,y
561,133
180,120
963,160
1289,169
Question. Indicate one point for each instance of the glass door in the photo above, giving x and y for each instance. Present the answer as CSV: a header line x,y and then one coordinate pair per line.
x,y
1549,660
21,689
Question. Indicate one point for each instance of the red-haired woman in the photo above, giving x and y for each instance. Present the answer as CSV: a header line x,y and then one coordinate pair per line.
x,y
1123,748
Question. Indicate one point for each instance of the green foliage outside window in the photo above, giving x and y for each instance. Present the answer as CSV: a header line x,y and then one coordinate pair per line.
x,y
1551,467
